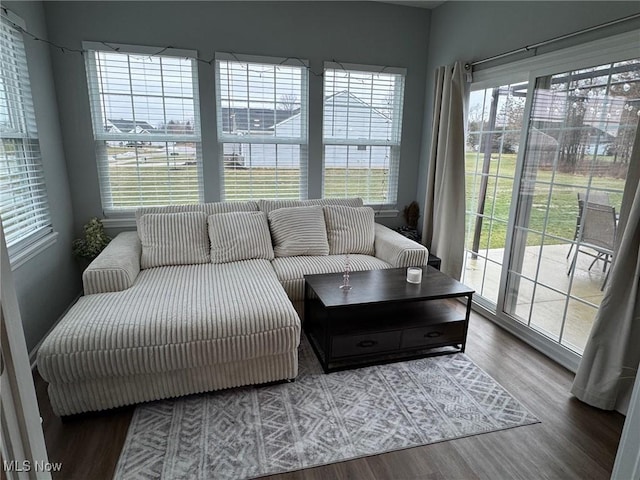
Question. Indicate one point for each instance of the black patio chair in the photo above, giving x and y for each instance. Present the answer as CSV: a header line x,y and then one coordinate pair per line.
x,y
601,198
597,234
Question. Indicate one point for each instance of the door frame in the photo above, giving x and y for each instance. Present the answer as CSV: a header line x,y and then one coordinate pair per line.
x,y
611,49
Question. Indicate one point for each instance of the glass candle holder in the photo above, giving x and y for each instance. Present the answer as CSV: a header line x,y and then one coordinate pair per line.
x,y
346,287
414,275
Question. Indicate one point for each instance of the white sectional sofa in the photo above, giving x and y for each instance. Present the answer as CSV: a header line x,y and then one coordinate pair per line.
x,y
200,299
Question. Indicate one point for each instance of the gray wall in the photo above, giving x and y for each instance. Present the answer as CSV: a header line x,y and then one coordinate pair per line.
x,y
46,284
470,31
354,32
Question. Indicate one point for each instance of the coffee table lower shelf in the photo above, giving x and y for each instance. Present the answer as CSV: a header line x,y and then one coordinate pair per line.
x,y
362,335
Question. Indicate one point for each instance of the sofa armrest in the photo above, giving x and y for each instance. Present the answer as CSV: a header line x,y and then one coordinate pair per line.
x,y
116,268
398,250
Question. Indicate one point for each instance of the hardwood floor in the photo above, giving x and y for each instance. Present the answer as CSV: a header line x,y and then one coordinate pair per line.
x,y
573,440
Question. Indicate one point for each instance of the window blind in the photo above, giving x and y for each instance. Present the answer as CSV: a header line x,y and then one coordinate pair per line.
x,y
362,128
24,207
262,106
145,112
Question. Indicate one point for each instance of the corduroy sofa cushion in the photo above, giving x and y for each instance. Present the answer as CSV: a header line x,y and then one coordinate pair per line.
x,y
116,268
291,270
350,230
239,236
173,318
269,205
298,231
173,239
210,208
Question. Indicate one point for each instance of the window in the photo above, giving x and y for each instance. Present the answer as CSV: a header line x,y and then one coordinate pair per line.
x,y
361,132
146,124
548,151
23,198
262,127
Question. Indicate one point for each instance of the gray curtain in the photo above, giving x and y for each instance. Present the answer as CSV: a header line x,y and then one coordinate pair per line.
x,y
610,361
444,205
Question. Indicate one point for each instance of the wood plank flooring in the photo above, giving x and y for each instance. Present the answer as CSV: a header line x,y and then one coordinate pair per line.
x,y
573,440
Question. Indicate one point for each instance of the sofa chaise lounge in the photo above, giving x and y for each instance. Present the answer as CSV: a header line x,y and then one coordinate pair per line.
x,y
200,299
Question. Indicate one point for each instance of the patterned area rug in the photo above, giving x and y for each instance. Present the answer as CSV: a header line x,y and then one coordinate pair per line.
x,y
317,420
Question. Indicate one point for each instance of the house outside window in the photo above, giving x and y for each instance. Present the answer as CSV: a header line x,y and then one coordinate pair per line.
x,y
362,130
146,123
262,108
24,205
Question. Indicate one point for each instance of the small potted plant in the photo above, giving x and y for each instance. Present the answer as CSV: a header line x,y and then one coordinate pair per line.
x,y
88,247
411,214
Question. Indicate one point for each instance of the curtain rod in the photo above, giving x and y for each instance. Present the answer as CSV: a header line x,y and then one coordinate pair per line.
x,y
552,40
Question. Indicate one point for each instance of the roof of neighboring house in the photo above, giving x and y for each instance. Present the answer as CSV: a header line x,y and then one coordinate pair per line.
x,y
599,134
242,119
345,98
237,119
342,98
587,133
541,141
130,125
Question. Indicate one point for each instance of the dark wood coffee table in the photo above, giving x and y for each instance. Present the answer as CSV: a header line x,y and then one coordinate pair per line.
x,y
383,318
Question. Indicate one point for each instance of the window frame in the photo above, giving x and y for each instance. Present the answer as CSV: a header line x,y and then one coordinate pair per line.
x,y
101,137
610,49
302,140
395,145
34,237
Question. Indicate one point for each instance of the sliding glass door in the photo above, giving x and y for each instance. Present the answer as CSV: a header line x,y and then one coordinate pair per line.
x,y
547,161
494,130
581,129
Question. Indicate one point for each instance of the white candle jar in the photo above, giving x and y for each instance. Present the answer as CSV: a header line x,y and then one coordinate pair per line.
x,y
414,275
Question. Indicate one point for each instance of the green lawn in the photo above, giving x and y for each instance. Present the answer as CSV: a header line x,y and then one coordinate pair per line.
x,y
563,203
152,180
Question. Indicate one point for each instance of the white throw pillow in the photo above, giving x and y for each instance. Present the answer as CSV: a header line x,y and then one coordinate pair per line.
x,y
350,230
298,231
239,236
173,239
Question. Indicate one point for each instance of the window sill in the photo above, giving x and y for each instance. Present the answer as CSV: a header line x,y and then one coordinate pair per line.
x,y
33,250
389,213
130,222
119,222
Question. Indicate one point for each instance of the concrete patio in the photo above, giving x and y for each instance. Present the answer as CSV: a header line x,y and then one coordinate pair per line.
x,y
543,305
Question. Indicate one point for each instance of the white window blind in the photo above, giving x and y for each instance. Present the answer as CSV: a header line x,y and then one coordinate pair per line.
x,y
146,124
361,132
262,126
23,198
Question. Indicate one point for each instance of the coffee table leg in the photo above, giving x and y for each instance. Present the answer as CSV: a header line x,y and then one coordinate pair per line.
x,y
466,322
305,314
316,333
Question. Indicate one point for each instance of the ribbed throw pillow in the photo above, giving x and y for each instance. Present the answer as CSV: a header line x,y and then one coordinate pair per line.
x,y
211,208
173,239
270,205
298,231
239,236
350,230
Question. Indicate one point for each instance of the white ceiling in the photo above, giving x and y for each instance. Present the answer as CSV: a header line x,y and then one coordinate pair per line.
x,y
429,4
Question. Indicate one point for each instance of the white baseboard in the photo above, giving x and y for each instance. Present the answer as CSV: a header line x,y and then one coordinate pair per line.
x,y
556,352
34,352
